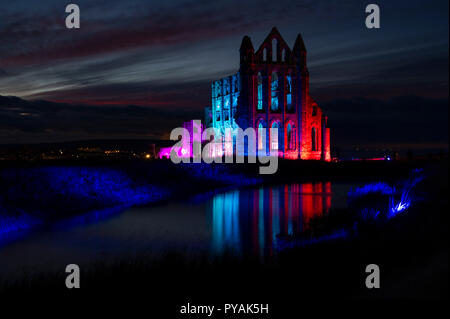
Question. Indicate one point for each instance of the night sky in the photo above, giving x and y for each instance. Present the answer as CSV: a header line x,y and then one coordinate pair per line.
x,y
380,88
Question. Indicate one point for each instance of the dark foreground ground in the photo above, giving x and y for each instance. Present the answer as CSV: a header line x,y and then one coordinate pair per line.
x,y
411,251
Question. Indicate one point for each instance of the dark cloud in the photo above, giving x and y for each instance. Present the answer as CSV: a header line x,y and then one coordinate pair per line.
x,y
401,122
3,73
44,37
163,96
43,121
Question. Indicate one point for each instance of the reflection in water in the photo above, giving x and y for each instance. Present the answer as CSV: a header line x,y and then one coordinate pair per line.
x,y
251,220
246,220
225,225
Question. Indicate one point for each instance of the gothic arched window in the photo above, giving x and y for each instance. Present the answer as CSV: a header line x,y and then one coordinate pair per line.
x,y
290,137
235,84
289,93
313,139
261,136
274,92
226,85
274,136
260,92
218,89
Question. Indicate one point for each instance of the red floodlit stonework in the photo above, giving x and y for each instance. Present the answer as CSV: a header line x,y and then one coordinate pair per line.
x,y
271,90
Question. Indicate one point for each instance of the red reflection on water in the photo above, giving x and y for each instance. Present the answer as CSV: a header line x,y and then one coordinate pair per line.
x,y
316,200
259,216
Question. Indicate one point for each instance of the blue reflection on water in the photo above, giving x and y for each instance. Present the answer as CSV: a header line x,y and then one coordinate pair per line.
x,y
261,219
253,219
225,226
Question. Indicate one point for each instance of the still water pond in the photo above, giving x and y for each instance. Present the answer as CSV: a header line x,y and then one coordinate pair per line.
x,y
246,220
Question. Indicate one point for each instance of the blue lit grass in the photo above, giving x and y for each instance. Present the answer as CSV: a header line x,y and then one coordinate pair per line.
x,y
380,201
37,195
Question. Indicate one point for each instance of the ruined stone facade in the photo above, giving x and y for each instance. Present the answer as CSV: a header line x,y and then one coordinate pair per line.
x,y
271,90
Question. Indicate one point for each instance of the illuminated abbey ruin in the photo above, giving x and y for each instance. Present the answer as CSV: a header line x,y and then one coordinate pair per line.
x,y
271,90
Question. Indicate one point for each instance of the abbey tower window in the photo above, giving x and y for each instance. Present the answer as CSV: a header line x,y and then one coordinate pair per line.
x,y
290,137
274,136
289,107
260,136
260,92
313,139
274,92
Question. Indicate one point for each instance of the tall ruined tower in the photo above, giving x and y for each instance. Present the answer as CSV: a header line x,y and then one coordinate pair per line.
x,y
271,90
